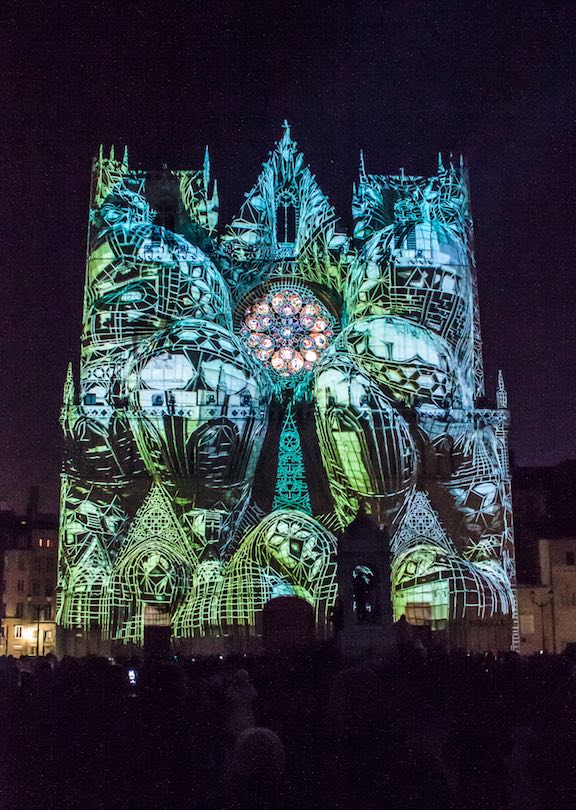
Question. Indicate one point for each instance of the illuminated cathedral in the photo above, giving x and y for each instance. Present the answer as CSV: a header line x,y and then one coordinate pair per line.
x,y
243,391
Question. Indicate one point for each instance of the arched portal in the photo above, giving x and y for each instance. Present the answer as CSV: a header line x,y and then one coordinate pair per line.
x,y
287,622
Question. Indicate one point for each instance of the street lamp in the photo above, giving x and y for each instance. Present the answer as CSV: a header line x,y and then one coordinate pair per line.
x,y
542,605
38,610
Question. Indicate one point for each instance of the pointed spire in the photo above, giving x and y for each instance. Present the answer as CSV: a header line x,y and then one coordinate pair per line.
x,y
213,207
68,397
206,167
362,172
440,163
125,158
501,393
112,152
286,144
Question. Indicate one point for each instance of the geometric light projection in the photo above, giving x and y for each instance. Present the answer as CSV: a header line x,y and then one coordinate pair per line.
x,y
291,485
244,392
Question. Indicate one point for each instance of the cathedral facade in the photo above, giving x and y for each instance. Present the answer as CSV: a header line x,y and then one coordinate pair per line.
x,y
244,391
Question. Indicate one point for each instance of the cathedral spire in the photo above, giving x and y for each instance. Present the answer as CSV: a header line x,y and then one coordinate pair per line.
x,y
286,145
206,167
67,396
501,393
362,170
109,172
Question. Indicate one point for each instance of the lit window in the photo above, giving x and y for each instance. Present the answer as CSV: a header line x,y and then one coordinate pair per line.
x,y
131,295
286,223
19,610
418,613
411,240
20,585
287,329
527,624
17,631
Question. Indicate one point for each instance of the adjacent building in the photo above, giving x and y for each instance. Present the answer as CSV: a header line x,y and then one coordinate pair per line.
x,y
547,609
545,521
28,562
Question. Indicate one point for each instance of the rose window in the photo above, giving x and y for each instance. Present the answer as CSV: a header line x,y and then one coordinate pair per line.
x,y
287,329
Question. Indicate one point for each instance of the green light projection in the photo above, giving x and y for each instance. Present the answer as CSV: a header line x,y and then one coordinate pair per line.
x,y
240,395
291,486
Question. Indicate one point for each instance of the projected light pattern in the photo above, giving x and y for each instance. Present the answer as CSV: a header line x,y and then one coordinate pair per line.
x,y
241,396
291,485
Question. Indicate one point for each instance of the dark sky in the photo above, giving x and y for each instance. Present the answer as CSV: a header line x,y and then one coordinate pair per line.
x,y
402,80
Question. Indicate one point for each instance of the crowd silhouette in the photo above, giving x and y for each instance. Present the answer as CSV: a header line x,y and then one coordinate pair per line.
x,y
414,728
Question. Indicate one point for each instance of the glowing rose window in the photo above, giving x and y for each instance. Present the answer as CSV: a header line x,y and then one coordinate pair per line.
x,y
287,329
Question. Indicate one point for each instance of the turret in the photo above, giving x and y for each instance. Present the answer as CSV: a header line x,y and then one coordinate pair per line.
x,y
67,397
501,393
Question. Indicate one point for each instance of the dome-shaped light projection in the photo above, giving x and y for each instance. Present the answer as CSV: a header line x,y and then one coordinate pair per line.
x,y
287,329
412,362
428,243
193,391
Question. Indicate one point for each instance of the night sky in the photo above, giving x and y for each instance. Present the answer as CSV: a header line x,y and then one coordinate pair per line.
x,y
401,80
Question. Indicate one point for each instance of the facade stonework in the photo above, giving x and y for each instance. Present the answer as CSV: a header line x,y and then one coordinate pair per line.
x,y
244,391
